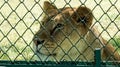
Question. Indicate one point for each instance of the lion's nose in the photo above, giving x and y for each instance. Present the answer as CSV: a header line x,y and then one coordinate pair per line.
x,y
38,41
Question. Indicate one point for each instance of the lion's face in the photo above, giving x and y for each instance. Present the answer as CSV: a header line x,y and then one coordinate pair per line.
x,y
62,31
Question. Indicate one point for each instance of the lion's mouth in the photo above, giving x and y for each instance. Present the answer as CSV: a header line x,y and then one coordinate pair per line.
x,y
46,54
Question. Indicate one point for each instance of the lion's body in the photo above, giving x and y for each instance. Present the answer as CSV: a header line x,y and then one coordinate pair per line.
x,y
67,34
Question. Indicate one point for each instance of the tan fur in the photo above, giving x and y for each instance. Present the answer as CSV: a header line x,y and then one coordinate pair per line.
x,y
75,40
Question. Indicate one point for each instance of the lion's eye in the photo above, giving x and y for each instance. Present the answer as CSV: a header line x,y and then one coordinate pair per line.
x,y
59,26
82,20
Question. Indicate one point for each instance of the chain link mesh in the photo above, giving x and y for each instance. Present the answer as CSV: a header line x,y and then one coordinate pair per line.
x,y
20,20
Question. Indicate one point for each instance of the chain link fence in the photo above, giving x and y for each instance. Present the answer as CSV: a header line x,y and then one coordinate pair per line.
x,y
21,19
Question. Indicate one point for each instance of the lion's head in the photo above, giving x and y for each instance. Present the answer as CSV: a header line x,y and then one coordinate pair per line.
x,y
62,32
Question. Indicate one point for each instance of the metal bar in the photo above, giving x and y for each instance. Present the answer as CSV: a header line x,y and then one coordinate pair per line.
x,y
45,64
97,57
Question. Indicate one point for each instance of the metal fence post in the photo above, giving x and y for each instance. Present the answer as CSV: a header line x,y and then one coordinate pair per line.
x,y
97,57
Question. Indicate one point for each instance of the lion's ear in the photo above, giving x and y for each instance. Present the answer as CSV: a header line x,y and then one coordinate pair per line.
x,y
48,6
83,15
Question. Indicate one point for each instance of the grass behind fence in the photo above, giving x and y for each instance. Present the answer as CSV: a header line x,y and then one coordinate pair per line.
x,y
116,43
17,30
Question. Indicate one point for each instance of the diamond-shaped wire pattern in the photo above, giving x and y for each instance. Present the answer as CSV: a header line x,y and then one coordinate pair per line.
x,y
20,20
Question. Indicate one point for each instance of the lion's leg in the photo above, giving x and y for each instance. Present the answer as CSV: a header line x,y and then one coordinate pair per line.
x,y
109,52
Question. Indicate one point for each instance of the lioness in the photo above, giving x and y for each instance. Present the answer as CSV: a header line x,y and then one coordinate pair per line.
x,y
67,34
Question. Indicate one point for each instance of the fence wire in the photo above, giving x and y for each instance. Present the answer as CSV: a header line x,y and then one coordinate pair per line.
x,y
21,19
